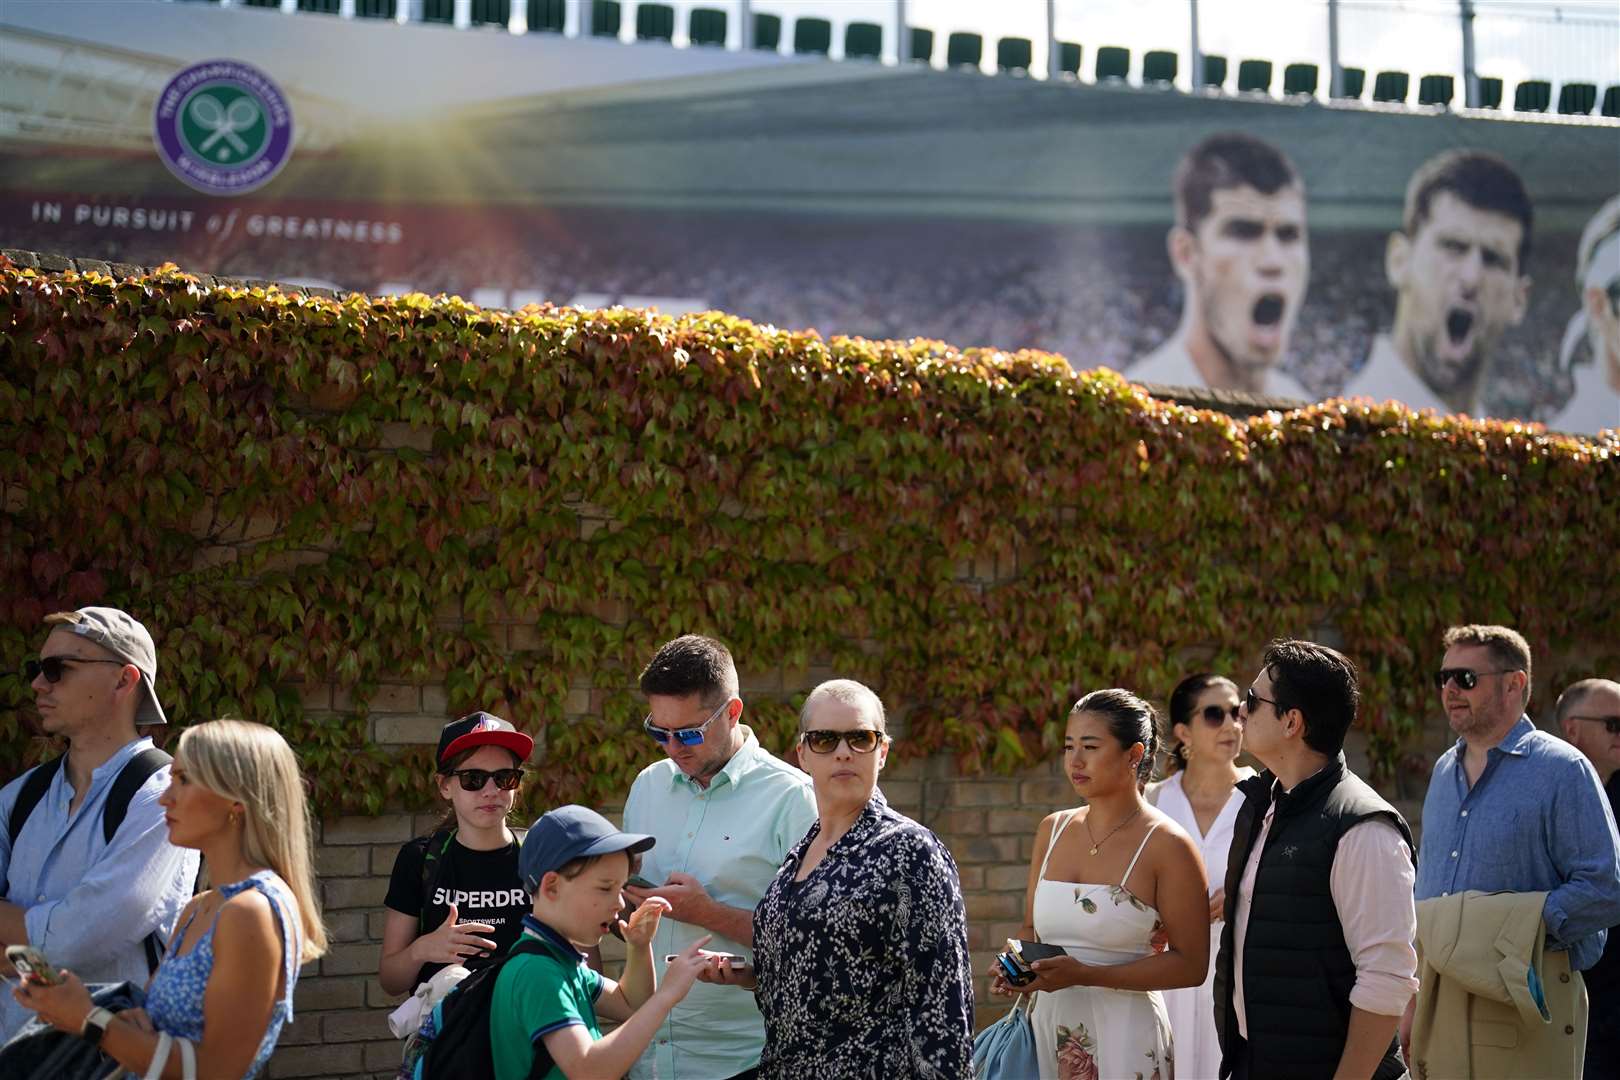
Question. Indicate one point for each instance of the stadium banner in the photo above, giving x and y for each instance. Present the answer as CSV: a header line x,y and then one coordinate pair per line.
x,y
1458,260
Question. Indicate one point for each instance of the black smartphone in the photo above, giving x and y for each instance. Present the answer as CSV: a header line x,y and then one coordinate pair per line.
x,y
639,882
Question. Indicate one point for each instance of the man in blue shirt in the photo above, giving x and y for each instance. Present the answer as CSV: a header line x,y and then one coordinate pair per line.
x,y
1514,809
89,904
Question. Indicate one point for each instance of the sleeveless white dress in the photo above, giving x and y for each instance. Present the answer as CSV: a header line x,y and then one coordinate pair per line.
x,y
1192,1008
1088,1032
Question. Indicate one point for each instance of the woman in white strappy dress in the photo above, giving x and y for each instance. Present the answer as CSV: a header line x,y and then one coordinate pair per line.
x,y
1201,796
1121,888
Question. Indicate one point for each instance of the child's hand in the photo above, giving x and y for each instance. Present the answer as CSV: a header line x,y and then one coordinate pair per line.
x,y
452,942
682,971
643,922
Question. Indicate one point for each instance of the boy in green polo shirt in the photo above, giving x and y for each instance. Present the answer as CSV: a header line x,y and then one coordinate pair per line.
x,y
575,863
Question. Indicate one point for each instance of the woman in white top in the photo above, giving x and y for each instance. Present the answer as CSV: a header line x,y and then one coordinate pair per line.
x,y
1200,795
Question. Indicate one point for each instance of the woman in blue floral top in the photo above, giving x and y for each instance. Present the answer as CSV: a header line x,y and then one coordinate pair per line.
x,y
226,984
860,944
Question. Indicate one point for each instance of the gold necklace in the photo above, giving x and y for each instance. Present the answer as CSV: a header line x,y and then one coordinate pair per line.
x,y
1095,843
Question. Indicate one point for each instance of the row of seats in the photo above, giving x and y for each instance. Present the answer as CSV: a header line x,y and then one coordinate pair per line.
x,y
864,41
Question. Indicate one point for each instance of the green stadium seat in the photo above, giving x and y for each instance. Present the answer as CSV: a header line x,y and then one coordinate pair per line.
x,y
1576,99
433,11
1300,80
1113,64
1159,67
767,32
1354,81
964,50
812,37
320,7
1214,73
655,22
1490,93
491,12
1254,77
374,9
706,26
1436,90
606,18
1611,101
1391,86
1069,58
1534,95
863,41
922,45
1014,54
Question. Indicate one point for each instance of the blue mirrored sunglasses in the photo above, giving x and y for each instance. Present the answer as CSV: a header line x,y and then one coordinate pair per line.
x,y
686,736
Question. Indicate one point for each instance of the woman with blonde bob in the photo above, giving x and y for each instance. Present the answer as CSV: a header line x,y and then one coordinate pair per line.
x,y
226,983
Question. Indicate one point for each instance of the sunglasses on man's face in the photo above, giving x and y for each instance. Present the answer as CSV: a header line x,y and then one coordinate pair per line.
x,y
475,779
1465,678
1252,700
861,740
54,667
1215,715
1611,724
686,736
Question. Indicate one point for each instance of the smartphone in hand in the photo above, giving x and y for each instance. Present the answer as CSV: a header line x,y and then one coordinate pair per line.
x,y
640,882
738,963
31,964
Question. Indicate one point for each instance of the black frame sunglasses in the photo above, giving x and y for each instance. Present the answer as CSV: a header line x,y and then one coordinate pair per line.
x,y
861,740
1215,715
55,667
1611,724
1251,702
1466,678
475,779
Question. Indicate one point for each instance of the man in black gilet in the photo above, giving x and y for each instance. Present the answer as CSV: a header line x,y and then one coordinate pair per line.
x,y
1317,960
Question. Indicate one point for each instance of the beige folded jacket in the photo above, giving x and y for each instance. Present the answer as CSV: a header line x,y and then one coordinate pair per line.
x,y
1476,1017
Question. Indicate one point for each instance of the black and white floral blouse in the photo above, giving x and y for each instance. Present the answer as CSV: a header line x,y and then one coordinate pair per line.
x,y
863,966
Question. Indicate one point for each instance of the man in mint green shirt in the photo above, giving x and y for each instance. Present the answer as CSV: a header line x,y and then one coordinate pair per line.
x,y
725,812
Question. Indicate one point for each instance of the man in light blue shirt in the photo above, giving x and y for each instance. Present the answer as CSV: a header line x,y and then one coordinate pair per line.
x,y
88,903
725,812
1514,809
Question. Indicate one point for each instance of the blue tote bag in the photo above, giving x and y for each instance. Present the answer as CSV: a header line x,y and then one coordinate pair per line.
x,y
1006,1049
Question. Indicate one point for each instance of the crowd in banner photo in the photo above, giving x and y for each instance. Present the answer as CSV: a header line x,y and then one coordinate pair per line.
x,y
784,920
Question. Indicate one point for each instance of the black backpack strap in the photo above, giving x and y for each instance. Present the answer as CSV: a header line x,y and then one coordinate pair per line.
x,y
33,790
433,860
131,778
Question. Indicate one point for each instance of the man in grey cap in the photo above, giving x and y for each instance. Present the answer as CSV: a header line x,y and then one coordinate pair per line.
x,y
87,873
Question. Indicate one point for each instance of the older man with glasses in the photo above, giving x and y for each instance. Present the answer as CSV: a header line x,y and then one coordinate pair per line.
x,y
725,813
1511,810
1589,715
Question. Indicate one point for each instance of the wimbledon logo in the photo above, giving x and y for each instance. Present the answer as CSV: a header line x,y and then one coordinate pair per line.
x,y
223,127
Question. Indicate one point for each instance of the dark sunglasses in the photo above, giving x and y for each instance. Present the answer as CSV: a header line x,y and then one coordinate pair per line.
x,y
1215,716
861,740
1465,678
475,779
1252,700
1611,724
54,667
686,736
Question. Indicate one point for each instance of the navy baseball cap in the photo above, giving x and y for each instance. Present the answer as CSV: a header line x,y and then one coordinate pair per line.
x,y
481,729
568,833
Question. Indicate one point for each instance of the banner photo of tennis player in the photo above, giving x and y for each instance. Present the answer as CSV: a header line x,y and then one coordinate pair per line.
x,y
1454,260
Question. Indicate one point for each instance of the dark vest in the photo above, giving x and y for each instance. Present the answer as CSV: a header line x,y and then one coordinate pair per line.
x,y
1297,970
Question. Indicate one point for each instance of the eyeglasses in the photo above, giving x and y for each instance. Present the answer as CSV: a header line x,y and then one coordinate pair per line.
x,y
1251,702
54,667
1465,678
1215,715
861,740
686,736
475,779
1611,724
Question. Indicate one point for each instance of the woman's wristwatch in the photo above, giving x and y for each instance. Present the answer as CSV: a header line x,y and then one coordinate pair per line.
x,y
95,1025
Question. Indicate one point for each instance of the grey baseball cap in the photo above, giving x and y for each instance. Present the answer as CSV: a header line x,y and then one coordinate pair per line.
x,y
120,634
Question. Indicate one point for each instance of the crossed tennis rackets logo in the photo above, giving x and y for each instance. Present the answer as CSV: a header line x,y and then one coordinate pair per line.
x,y
224,122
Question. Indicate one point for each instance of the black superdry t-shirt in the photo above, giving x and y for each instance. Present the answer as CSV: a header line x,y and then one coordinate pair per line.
x,y
484,886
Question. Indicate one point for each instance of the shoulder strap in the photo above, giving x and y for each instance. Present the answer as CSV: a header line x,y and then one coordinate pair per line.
x,y
33,790
433,853
1057,830
131,778
1126,876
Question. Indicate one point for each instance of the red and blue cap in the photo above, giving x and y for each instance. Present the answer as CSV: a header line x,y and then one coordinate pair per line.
x,y
481,729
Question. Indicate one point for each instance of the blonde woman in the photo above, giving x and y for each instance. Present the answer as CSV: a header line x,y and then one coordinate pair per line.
x,y
226,984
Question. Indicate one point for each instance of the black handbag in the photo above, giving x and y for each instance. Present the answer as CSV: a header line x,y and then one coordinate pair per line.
x,y
41,1052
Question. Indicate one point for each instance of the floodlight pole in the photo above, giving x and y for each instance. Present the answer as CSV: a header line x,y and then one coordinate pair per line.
x,y
1470,73
902,37
1054,62
1196,62
1335,66
745,26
